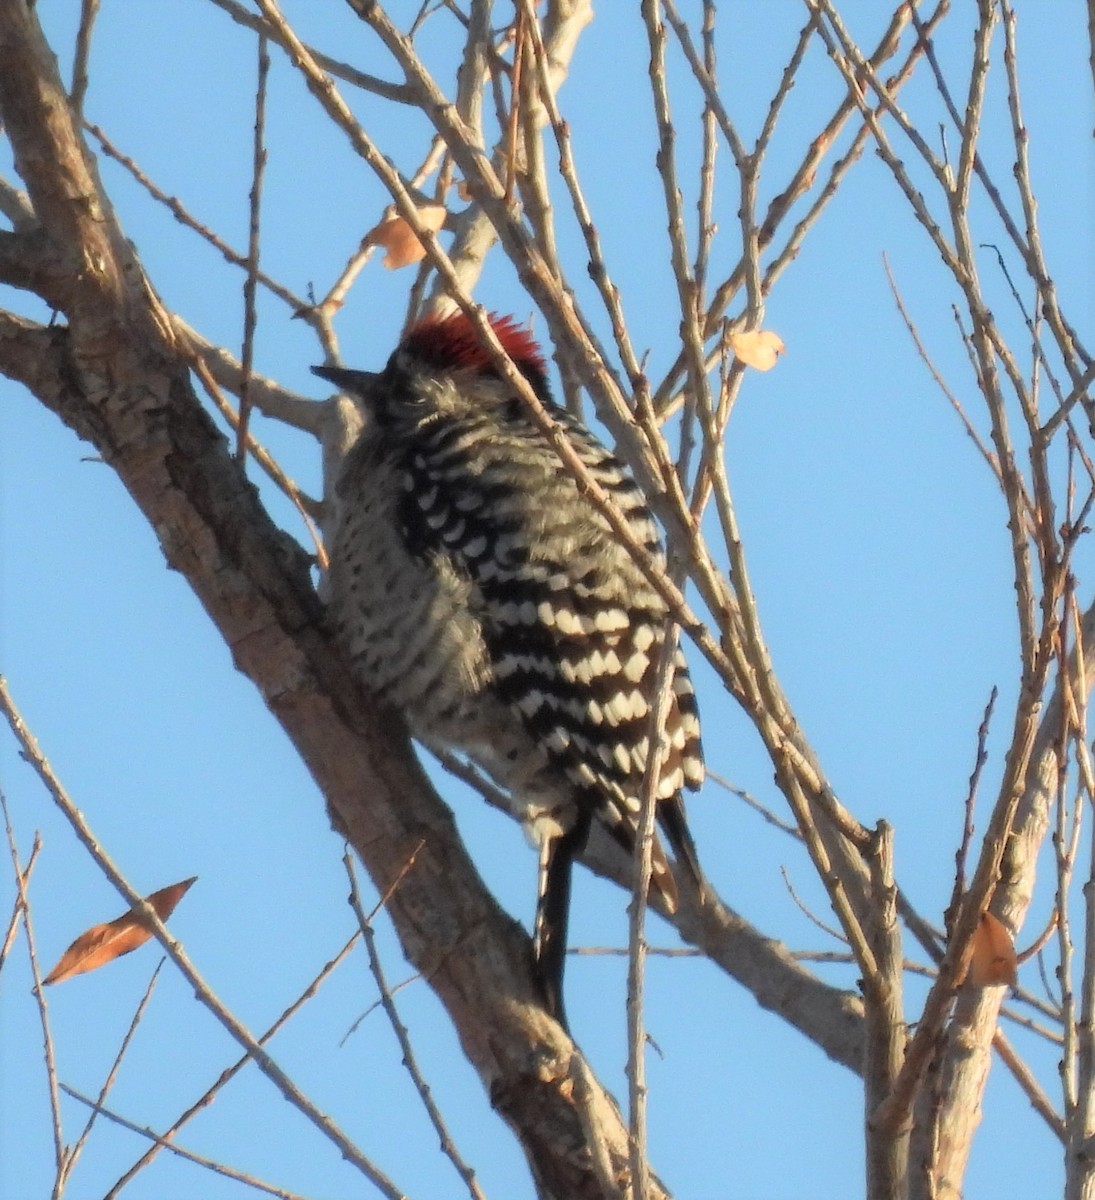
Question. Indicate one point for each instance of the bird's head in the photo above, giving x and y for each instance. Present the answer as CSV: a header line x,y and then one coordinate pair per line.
x,y
444,356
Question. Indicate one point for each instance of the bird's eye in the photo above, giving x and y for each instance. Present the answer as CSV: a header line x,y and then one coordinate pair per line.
x,y
402,386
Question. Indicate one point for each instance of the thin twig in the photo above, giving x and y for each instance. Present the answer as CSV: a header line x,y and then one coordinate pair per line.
x,y
210,1093
199,1160
48,1053
89,10
657,749
941,383
962,854
254,243
17,904
397,92
387,1000
811,916
304,505
597,267
112,1074
1023,1075
753,803
356,1024
297,303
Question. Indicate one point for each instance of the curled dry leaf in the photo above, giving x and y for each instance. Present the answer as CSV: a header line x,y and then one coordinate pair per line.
x,y
757,348
102,943
399,240
994,960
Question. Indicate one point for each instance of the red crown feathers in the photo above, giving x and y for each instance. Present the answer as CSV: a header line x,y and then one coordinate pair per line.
x,y
452,344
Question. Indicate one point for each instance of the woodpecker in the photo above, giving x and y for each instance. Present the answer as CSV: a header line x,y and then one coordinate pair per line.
x,y
479,591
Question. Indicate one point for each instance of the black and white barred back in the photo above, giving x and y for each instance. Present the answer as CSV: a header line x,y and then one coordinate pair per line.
x,y
478,591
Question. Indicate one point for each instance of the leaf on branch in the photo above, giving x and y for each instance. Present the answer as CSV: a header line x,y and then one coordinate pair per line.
x,y
994,960
757,348
399,240
102,943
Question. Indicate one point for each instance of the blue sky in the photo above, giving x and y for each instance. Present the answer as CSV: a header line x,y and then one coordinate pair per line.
x,y
880,561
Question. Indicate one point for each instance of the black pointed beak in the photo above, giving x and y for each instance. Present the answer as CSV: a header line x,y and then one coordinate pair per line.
x,y
360,383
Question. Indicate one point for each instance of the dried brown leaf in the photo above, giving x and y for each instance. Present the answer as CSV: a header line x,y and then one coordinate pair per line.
x,y
102,943
757,348
399,240
994,960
